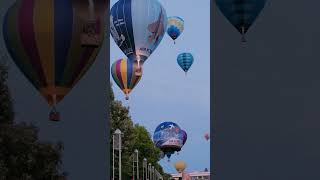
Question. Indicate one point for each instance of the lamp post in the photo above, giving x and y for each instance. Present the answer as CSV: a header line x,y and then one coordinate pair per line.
x,y
133,175
137,153
144,166
152,173
149,171
156,174
117,146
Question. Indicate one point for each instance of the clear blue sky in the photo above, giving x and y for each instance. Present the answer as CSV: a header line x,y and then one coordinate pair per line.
x,y
166,94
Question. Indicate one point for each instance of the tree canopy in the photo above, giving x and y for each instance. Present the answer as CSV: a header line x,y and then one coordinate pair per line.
x,y
22,155
134,137
6,108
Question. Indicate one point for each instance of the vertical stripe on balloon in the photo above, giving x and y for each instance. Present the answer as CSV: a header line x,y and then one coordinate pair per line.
x,y
43,27
10,29
129,73
63,24
118,73
27,35
123,70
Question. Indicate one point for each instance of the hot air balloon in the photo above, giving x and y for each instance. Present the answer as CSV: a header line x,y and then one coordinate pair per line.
x,y
175,27
241,13
122,72
206,136
184,136
167,137
44,40
185,60
180,166
137,27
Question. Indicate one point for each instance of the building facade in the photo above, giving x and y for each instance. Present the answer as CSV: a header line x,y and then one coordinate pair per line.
x,y
196,175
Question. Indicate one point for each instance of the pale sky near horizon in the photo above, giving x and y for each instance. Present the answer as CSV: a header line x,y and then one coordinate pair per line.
x,y
166,94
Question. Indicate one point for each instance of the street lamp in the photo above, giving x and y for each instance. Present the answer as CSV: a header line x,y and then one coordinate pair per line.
x,y
152,173
117,146
144,166
149,171
137,152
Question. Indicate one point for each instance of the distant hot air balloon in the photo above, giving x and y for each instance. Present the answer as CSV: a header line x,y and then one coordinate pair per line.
x,y
137,27
167,137
206,136
175,27
180,166
241,13
123,74
184,135
44,39
185,60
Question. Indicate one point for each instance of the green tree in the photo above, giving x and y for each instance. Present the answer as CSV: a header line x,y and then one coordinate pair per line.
x,y
134,137
142,141
22,155
6,109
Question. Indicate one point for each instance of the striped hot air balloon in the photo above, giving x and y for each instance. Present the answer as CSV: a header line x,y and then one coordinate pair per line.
x,y
185,60
43,38
241,13
175,27
122,72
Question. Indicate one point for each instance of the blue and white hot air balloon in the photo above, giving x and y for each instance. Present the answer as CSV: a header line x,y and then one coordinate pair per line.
x,y
175,27
137,27
185,60
169,138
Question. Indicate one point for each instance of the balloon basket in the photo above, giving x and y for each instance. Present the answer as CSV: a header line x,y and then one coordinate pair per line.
x,y
54,116
243,39
138,73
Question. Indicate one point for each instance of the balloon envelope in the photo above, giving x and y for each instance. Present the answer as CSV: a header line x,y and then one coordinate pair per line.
x,y
167,137
180,166
122,72
43,39
185,60
137,27
241,13
175,26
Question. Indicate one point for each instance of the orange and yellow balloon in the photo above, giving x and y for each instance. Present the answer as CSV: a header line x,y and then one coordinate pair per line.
x,y
180,166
